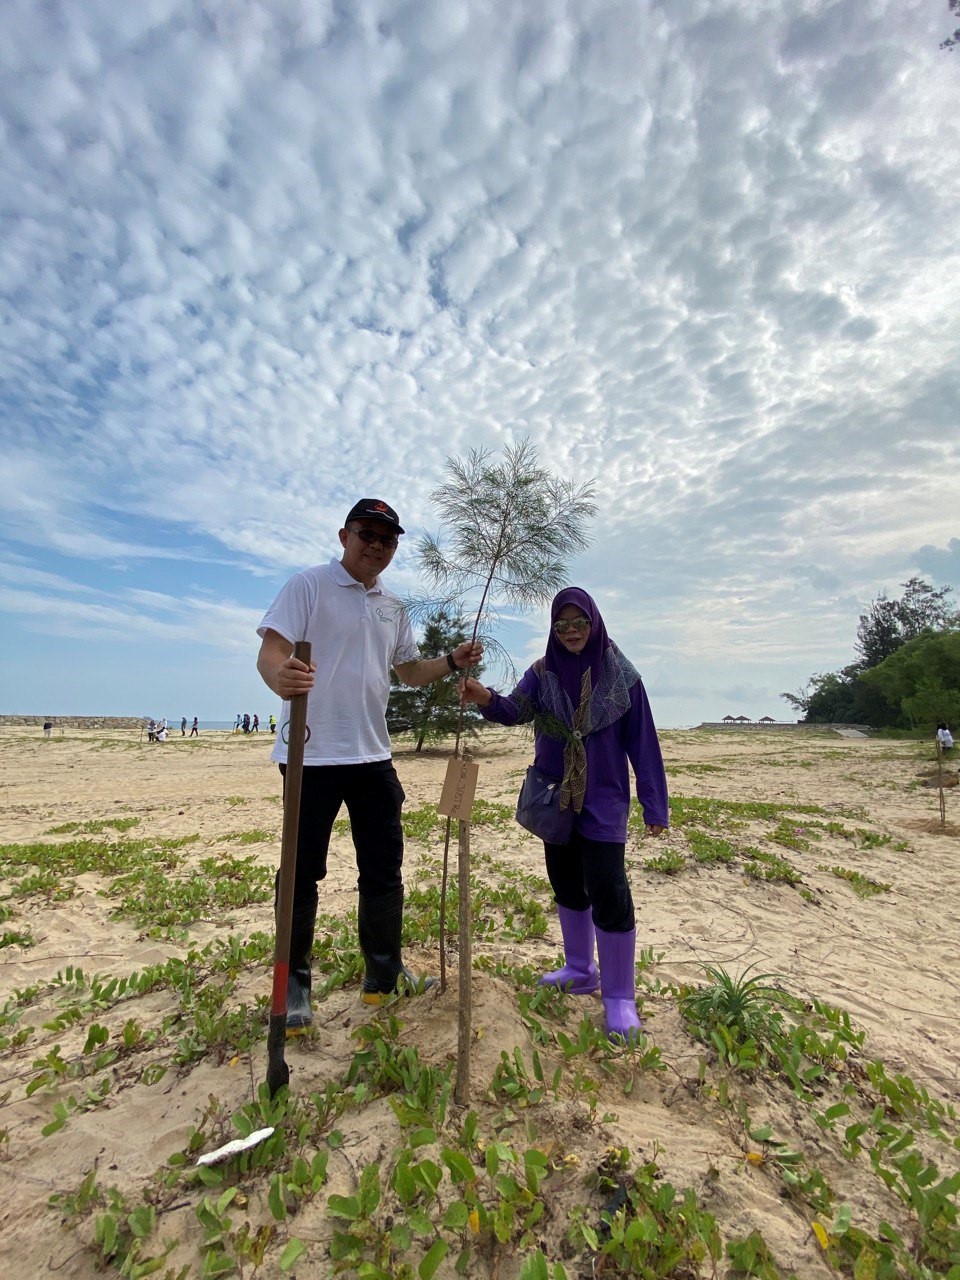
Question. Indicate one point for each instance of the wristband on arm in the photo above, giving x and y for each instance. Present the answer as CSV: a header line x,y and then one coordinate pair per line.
x,y
451,664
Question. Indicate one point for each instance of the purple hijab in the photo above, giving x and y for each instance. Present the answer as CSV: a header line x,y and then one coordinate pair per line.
x,y
569,667
611,674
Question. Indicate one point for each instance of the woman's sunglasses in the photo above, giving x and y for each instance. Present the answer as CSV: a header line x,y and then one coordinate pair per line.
x,y
563,625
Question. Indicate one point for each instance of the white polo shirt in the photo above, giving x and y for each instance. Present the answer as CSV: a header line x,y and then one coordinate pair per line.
x,y
356,637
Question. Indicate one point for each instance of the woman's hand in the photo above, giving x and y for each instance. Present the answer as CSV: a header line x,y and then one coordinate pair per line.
x,y
471,690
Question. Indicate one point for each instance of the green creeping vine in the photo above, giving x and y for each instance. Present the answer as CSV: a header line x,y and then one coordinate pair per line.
x,y
753,1024
471,1193
862,885
697,824
448,1190
94,827
463,1192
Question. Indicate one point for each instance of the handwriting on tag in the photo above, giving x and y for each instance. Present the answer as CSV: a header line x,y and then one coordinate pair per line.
x,y
459,788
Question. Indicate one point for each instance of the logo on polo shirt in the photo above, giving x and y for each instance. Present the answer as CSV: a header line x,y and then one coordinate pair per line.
x,y
285,734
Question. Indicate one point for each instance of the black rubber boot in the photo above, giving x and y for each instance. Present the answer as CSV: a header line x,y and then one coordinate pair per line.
x,y
302,925
379,922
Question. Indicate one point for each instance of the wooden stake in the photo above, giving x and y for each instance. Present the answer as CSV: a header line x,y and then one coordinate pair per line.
x,y
461,1092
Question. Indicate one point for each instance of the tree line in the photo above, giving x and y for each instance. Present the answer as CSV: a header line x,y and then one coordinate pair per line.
x,y
906,673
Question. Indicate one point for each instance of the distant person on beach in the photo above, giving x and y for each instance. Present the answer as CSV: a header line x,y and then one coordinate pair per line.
x,y
151,730
358,630
255,727
246,724
162,731
944,737
591,717
183,726
238,723
195,728
272,723
47,728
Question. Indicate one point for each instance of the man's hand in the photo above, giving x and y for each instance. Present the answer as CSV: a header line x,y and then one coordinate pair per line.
x,y
281,671
294,678
468,654
653,829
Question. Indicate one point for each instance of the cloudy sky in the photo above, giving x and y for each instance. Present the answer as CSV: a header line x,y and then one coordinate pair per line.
x,y
259,259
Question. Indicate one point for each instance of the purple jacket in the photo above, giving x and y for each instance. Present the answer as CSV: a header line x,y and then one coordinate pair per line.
x,y
633,737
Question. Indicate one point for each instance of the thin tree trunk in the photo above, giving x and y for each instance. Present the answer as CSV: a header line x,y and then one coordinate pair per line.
x,y
446,842
461,1093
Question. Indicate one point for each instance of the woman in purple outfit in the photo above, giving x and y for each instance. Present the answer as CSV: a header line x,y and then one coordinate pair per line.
x,y
591,717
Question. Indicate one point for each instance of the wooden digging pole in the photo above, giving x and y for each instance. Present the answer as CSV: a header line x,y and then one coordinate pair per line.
x,y
278,1073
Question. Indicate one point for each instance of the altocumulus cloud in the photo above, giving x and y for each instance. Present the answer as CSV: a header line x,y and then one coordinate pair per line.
x,y
259,259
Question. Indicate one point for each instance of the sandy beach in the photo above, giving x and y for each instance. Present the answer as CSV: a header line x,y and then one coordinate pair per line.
x,y
815,858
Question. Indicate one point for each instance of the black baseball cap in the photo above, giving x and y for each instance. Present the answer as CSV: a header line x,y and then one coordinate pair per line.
x,y
374,509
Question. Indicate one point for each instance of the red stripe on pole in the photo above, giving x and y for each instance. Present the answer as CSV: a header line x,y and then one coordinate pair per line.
x,y
278,1000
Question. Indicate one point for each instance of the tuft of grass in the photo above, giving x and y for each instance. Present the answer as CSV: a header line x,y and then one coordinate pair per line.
x,y
485,814
679,768
156,900
16,938
862,885
769,866
256,836
732,815
859,836
75,857
423,823
504,910
709,849
668,863
743,1006
792,836
44,883
94,827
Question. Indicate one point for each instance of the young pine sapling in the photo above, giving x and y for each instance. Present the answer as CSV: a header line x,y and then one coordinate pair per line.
x,y
510,529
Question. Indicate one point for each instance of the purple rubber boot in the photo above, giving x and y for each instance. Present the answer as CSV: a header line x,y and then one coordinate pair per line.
x,y
618,989
579,973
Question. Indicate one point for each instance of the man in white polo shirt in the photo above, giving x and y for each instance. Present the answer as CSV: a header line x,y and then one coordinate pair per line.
x,y
358,631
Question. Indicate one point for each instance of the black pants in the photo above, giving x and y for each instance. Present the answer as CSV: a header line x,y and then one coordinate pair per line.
x,y
591,873
374,797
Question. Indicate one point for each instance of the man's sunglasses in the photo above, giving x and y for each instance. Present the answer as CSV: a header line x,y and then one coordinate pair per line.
x,y
370,536
563,625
